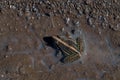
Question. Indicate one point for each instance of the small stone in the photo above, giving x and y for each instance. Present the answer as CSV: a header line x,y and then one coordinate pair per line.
x,y
2,75
12,7
77,23
89,21
8,48
115,1
20,13
34,9
38,15
67,20
25,27
51,67
88,1
6,56
99,31
16,29
63,29
116,28
93,26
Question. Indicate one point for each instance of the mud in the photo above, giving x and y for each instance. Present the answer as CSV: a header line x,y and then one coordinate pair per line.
x,y
24,54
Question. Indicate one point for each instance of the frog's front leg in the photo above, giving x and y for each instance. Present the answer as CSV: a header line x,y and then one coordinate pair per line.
x,y
80,45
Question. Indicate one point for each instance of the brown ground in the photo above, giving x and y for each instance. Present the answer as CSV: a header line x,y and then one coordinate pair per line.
x,y
24,23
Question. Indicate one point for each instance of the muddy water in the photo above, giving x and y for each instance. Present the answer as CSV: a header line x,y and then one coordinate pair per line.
x,y
24,54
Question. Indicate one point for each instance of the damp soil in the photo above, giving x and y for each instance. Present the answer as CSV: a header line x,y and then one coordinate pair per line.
x,y
24,55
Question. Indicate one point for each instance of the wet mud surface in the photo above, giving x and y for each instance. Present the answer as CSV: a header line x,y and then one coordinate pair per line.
x,y
24,54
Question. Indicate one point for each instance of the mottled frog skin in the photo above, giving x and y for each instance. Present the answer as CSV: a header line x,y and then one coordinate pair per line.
x,y
71,49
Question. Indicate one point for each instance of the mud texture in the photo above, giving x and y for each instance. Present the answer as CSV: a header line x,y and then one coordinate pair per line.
x,y
24,54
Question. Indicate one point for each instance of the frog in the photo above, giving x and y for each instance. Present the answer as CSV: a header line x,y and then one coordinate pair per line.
x,y
71,49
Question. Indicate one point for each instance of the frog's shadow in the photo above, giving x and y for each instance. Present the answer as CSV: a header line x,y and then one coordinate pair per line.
x,y
51,42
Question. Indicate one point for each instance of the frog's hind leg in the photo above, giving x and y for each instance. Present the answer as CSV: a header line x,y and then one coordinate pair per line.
x,y
71,58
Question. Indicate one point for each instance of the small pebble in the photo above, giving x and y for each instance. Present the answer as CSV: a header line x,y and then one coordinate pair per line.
x,y
67,20
12,7
2,75
63,29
